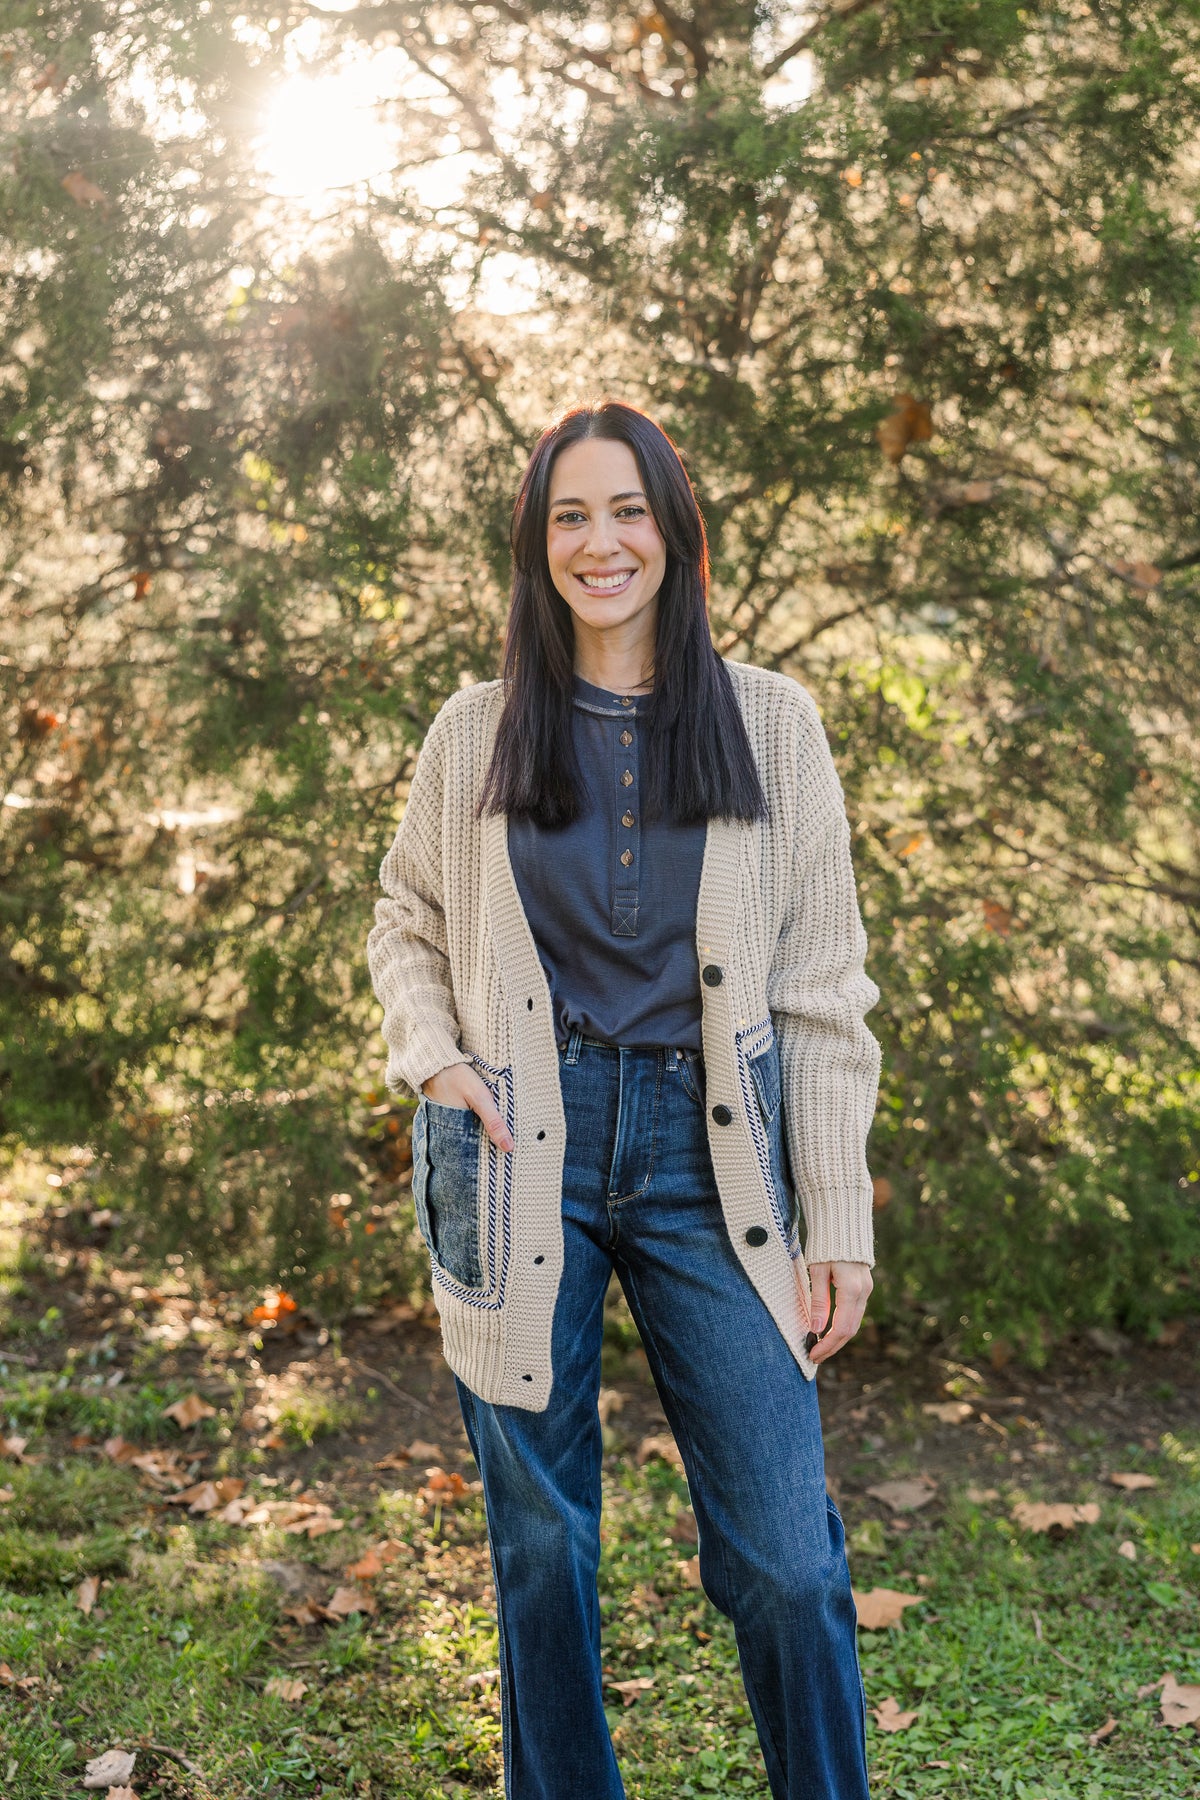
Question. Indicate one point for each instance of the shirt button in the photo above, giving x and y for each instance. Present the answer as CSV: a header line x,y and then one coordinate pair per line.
x,y
627,818
756,1235
627,736
626,777
711,975
722,1115
627,857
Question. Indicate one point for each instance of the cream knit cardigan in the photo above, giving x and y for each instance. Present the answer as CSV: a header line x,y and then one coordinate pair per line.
x,y
779,934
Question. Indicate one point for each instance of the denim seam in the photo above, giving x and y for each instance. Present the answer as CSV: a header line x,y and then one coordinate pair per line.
x,y
637,1192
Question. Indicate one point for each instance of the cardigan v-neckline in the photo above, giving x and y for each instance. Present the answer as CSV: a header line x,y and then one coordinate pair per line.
x,y
724,846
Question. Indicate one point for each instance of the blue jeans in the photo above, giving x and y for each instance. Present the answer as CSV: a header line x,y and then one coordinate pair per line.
x,y
639,1197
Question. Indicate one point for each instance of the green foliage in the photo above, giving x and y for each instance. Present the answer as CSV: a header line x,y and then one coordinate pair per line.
x,y
256,462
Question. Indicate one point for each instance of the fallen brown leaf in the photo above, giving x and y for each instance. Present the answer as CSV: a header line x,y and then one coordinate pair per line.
x,y
662,1445
905,1495
1180,1704
110,1769
347,1600
205,1496
395,1459
306,1612
275,1305
121,1793
950,1412
689,1569
189,1411
978,1495
882,1607
1133,1480
630,1690
609,1401
446,1489
85,193
420,1451
1103,1731
6,1493
286,1687
24,1683
14,1447
367,1565
87,1593
888,1716
1041,1515
1128,1550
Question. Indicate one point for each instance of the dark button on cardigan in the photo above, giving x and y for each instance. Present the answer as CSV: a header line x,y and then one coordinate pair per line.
x,y
610,899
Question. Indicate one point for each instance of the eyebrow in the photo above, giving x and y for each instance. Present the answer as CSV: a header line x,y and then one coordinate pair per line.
x,y
574,500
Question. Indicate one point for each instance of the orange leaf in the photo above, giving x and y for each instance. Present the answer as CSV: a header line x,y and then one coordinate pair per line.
x,y
275,1303
443,1489
365,1567
882,1607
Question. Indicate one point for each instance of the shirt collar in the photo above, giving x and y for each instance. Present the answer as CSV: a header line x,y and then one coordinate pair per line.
x,y
603,700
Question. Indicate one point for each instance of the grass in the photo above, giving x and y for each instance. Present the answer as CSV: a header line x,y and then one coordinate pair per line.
x,y
1023,1647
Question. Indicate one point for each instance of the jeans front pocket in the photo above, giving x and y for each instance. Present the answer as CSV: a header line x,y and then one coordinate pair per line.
x,y
767,1081
692,1075
445,1185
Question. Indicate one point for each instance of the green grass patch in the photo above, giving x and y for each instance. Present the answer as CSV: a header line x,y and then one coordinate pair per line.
x,y
1022,1648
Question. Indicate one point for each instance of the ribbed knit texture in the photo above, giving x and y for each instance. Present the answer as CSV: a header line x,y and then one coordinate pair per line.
x,y
456,969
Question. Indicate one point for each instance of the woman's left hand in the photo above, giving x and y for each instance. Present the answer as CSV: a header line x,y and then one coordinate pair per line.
x,y
853,1283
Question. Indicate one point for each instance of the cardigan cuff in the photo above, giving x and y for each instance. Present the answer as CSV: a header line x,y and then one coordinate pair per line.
x,y
841,1228
429,1050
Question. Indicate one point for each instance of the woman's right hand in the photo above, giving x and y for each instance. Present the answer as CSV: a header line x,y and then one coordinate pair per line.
x,y
459,1085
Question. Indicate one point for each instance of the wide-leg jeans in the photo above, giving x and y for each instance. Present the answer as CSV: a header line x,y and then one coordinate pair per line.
x,y
640,1198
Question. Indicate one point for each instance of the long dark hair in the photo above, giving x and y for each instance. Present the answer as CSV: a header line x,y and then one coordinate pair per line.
x,y
697,763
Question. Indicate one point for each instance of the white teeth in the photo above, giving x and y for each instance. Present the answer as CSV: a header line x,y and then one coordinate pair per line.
x,y
606,581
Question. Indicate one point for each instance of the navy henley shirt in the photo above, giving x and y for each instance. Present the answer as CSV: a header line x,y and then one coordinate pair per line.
x,y
611,900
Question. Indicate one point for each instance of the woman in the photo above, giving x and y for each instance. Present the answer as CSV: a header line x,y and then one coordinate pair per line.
x,y
620,959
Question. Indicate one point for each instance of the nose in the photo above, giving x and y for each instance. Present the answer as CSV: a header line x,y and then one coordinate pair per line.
x,y
602,538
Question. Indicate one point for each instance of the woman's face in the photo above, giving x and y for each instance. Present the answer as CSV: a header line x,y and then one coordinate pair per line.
x,y
607,557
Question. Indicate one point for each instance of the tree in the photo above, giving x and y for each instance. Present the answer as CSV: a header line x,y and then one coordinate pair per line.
x,y
916,297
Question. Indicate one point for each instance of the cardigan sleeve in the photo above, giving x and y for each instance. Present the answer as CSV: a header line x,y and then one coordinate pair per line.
x,y
407,949
818,992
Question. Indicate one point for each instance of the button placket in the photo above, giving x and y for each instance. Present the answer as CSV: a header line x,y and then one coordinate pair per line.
x,y
626,831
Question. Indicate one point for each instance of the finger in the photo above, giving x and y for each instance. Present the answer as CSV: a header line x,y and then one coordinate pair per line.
x,y
494,1125
847,1317
818,1275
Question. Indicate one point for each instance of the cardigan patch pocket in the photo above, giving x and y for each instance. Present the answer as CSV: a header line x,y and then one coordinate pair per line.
x,y
445,1184
766,1081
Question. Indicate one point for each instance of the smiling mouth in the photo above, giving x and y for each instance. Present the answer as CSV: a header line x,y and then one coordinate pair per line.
x,y
607,584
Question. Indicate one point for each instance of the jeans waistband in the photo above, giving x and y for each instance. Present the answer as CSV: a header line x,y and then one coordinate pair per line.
x,y
570,1047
